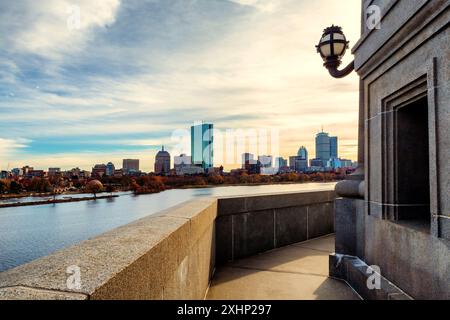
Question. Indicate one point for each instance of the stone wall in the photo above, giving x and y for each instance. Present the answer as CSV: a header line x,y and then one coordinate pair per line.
x,y
249,225
402,65
172,255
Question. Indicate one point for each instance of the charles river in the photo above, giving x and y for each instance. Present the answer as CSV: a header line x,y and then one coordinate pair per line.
x,y
30,232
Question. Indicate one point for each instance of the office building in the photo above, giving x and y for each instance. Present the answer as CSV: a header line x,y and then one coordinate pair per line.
x,y
265,161
202,144
110,168
99,170
130,166
162,162
334,147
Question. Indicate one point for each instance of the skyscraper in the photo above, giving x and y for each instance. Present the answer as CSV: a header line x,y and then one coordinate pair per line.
x,y
334,147
323,149
202,140
162,162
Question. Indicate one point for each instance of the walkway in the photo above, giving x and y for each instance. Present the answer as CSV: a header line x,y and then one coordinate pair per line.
x,y
296,272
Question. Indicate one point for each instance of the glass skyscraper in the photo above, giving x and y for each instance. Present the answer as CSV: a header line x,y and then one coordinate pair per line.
x,y
323,146
333,147
202,141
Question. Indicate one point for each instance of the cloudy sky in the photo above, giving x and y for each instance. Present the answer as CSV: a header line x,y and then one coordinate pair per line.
x,y
118,84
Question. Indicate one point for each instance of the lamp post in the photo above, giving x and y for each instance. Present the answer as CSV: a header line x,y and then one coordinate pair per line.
x,y
332,47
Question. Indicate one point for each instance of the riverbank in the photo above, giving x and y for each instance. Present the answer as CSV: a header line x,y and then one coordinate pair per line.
x,y
54,201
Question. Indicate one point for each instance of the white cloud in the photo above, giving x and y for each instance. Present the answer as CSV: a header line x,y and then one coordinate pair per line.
x,y
8,148
46,25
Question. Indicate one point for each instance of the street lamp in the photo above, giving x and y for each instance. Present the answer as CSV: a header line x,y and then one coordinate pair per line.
x,y
332,47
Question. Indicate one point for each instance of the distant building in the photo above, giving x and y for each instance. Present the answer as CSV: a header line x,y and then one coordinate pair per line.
x,y
54,171
299,163
318,163
118,173
280,162
162,162
4,174
130,165
334,163
189,170
110,168
36,173
323,146
326,151
254,168
183,166
26,170
99,170
303,153
202,141
182,160
247,159
265,161
16,172
334,147
346,163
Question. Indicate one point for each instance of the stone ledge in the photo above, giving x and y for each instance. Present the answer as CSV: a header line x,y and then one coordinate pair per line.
x,y
24,293
354,271
242,204
134,261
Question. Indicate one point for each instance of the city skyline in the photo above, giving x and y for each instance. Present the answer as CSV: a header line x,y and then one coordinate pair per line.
x,y
121,84
169,161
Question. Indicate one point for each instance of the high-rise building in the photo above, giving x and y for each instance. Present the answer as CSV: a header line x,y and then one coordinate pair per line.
x,y
130,165
323,149
110,169
202,141
334,147
162,162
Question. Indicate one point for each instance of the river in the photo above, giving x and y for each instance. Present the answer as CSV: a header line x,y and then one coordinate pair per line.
x,y
27,233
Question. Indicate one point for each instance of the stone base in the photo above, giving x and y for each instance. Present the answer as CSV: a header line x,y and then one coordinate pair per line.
x,y
358,274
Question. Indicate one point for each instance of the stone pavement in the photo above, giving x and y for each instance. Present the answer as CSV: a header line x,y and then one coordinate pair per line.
x,y
296,272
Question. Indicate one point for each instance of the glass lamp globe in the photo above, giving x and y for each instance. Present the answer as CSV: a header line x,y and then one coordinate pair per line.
x,y
333,44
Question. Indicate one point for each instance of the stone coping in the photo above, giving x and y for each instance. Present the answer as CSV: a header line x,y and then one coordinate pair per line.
x,y
260,202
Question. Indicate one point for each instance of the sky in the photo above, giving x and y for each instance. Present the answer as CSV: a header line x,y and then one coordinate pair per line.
x,y
129,75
